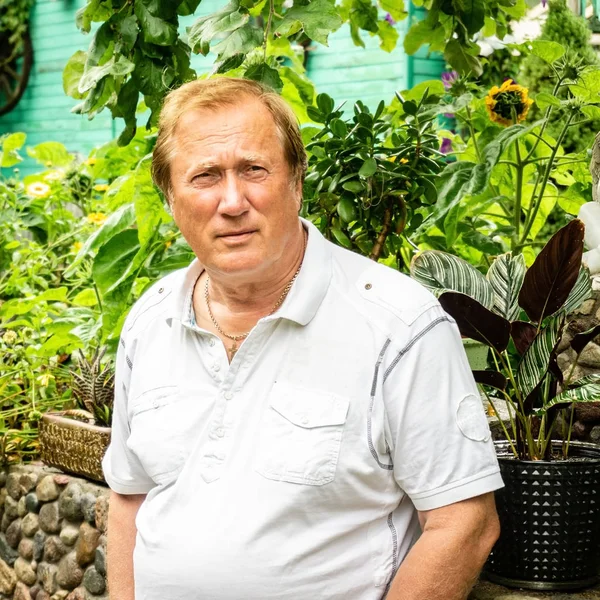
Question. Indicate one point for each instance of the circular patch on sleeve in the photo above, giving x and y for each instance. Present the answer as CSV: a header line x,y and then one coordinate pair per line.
x,y
471,419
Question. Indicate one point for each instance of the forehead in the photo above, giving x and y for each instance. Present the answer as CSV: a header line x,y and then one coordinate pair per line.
x,y
247,125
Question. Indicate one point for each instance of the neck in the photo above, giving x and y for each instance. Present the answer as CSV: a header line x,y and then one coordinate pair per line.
x,y
251,299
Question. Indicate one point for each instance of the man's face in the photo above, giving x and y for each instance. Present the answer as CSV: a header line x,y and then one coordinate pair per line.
x,y
233,198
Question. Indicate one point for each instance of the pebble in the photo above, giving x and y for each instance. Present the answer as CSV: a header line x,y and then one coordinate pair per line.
x,y
7,554
87,544
94,582
28,481
13,487
8,579
47,574
102,513
595,434
42,595
100,561
69,534
77,594
3,477
88,507
30,524
69,503
32,503
24,571
47,490
10,508
14,534
22,592
21,507
38,544
26,548
49,518
60,595
4,523
590,356
54,549
61,479
70,574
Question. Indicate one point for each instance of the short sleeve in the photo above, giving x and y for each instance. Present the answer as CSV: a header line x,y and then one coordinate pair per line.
x,y
440,441
122,469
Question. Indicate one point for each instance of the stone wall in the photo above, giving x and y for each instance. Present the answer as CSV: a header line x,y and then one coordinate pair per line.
x,y
587,424
52,535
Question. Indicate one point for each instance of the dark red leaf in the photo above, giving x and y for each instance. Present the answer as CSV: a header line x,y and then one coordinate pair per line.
x,y
550,279
491,378
523,335
581,340
475,321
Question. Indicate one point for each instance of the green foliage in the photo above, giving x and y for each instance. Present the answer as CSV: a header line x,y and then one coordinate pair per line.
x,y
564,28
370,181
14,22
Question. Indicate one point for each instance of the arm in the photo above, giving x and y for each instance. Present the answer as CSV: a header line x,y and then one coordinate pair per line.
x,y
445,562
121,541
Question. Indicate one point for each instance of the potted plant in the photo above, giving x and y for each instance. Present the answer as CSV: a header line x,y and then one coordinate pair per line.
x,y
75,440
550,508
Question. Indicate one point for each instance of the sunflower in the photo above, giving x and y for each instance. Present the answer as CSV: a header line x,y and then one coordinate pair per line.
x,y
38,189
96,218
506,101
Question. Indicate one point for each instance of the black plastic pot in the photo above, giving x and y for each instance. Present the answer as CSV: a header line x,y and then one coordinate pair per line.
x,y
550,521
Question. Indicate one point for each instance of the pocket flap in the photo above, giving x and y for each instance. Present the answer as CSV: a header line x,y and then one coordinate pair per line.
x,y
307,408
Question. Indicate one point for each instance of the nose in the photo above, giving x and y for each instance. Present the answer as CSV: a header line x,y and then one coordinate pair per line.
x,y
233,196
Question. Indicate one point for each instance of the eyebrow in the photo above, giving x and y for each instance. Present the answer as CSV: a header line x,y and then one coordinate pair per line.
x,y
246,159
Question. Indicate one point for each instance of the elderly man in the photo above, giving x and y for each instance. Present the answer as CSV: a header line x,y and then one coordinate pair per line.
x,y
292,421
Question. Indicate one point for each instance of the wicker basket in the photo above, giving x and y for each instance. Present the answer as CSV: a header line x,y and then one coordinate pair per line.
x,y
73,446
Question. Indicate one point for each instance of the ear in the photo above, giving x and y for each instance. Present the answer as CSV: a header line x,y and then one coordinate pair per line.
x,y
298,194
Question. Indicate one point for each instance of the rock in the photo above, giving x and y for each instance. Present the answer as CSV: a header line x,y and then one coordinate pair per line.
x,y
93,581
42,595
5,523
32,503
61,479
54,549
47,490
69,503
22,592
49,518
26,548
100,561
10,508
47,574
102,513
70,574
586,308
21,507
88,507
13,487
588,412
77,594
3,477
8,579
39,539
34,591
7,554
580,430
87,544
30,524
60,595
13,534
565,342
595,434
69,534
590,356
28,481
24,572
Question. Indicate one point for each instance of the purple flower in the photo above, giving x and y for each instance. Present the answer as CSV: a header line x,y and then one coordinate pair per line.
x,y
544,2
449,78
390,19
446,146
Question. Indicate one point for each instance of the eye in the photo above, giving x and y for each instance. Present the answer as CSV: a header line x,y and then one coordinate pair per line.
x,y
255,168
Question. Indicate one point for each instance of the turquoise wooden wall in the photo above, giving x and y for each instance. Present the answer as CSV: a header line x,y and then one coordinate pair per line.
x,y
342,70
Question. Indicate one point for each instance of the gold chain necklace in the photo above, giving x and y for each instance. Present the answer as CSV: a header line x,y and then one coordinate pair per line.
x,y
243,336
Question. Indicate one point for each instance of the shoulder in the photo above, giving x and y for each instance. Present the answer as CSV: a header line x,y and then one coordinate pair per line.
x,y
155,302
380,290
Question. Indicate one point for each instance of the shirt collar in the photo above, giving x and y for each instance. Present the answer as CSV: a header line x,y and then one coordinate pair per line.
x,y
304,298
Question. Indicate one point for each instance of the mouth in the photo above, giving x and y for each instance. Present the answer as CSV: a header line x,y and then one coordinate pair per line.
x,y
237,236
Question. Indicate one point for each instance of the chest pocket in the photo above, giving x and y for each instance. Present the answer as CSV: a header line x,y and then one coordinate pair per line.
x,y
157,433
300,436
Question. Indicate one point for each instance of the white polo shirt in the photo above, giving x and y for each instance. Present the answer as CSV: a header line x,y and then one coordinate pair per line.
x,y
295,471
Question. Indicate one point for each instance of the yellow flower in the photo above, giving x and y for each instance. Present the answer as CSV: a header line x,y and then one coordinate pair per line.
x,y
404,161
9,338
91,161
45,379
96,218
54,175
168,244
38,189
101,187
76,247
508,101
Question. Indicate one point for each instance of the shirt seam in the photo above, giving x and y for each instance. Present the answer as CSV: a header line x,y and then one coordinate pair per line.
x,y
454,485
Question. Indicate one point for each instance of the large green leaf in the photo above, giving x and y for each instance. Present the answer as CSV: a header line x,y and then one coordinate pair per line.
x,y
458,56
582,290
118,68
11,144
536,361
475,321
72,73
318,19
548,51
506,277
205,29
265,74
388,35
118,221
552,276
155,30
51,154
585,393
241,41
440,272
472,15
114,258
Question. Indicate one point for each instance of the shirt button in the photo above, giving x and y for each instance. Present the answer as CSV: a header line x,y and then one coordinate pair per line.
x,y
228,395
216,367
211,342
305,421
220,432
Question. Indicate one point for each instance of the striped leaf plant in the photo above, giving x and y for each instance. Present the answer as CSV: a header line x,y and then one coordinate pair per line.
x,y
521,314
